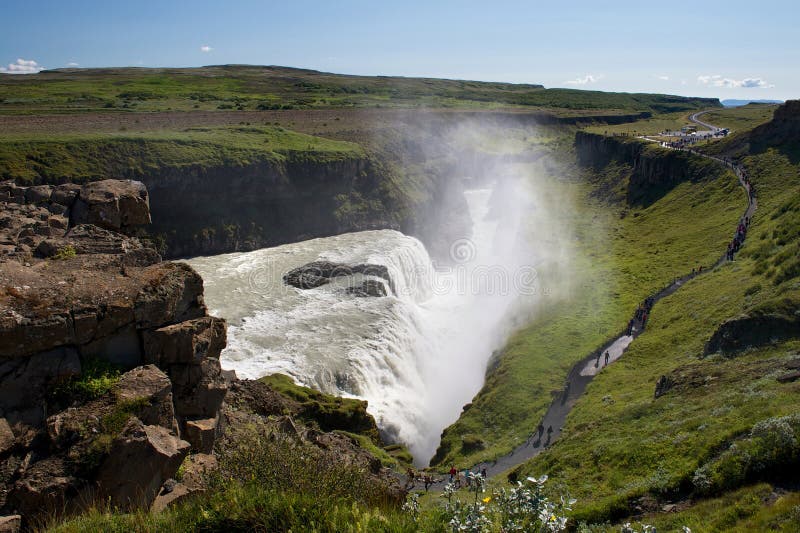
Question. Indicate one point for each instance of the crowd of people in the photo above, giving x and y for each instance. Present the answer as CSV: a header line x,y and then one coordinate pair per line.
x,y
738,239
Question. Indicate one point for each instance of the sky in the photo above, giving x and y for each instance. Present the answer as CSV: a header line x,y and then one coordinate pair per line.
x,y
724,49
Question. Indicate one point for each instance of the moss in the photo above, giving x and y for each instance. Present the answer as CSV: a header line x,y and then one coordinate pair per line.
x,y
327,411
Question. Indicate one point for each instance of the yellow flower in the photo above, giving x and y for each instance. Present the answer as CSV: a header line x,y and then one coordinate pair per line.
x,y
487,499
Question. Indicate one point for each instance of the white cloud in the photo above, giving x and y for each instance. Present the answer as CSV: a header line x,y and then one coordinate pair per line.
x,y
589,78
72,64
747,83
663,78
22,66
205,48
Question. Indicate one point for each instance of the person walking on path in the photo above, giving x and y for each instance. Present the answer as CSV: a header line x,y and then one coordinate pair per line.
x,y
453,472
607,356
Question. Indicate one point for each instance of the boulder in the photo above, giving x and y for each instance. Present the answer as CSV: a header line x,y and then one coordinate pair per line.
x,y
112,204
45,489
199,389
170,494
6,436
201,434
38,194
150,383
174,294
142,458
188,342
10,524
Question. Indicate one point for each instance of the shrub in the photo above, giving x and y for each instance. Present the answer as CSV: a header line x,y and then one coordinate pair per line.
x,y
770,449
96,378
66,252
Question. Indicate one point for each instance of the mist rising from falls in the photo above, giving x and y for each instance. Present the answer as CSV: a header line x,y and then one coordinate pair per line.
x,y
417,355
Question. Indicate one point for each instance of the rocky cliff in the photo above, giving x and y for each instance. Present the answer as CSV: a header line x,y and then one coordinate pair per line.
x,y
651,171
210,210
109,362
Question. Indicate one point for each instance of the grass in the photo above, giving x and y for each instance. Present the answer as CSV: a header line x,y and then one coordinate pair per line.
x,y
673,121
268,88
268,482
84,157
741,118
621,255
621,444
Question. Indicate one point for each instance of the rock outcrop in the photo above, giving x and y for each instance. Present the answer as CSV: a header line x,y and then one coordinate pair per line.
x,y
318,273
651,171
77,288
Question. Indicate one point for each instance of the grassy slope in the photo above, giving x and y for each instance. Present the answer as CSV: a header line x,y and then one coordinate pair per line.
x,y
250,87
619,442
740,118
81,157
618,261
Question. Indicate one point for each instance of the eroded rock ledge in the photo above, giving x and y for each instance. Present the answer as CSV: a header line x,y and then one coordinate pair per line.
x,y
77,290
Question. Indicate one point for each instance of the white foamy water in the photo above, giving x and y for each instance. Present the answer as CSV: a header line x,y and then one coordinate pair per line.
x,y
417,356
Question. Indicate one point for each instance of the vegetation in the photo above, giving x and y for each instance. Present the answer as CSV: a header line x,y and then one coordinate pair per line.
x,y
85,157
67,252
740,118
238,88
97,377
621,255
327,411
720,425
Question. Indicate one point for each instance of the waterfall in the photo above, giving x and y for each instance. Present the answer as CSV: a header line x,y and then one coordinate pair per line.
x,y
417,355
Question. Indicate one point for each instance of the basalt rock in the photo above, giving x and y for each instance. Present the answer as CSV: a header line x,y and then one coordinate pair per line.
x,y
72,291
187,342
368,287
318,273
142,458
118,205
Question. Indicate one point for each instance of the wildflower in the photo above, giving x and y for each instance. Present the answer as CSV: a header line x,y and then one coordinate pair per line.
x,y
487,499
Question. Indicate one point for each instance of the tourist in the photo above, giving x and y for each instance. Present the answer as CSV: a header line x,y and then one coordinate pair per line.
x,y
607,356
453,472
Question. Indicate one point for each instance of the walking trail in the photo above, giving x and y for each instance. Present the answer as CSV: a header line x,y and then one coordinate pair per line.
x,y
587,368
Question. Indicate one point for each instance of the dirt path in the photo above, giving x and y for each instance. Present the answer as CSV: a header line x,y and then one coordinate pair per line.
x,y
587,368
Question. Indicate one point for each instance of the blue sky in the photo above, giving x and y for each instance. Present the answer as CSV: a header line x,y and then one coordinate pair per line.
x,y
725,49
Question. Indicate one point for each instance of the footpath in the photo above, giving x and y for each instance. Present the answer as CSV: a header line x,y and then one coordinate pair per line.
x,y
582,373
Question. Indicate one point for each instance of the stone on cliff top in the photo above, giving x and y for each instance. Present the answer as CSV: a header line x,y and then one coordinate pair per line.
x,y
174,294
202,433
188,342
6,436
112,204
150,383
142,458
10,524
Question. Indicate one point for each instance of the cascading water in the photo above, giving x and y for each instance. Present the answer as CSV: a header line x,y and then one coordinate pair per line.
x,y
417,355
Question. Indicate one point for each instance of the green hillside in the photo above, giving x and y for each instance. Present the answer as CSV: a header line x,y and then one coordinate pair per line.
x,y
242,87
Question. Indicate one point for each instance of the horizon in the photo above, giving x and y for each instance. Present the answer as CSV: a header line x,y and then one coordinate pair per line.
x,y
735,52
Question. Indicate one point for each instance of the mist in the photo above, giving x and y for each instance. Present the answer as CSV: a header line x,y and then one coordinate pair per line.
x,y
513,258
495,252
